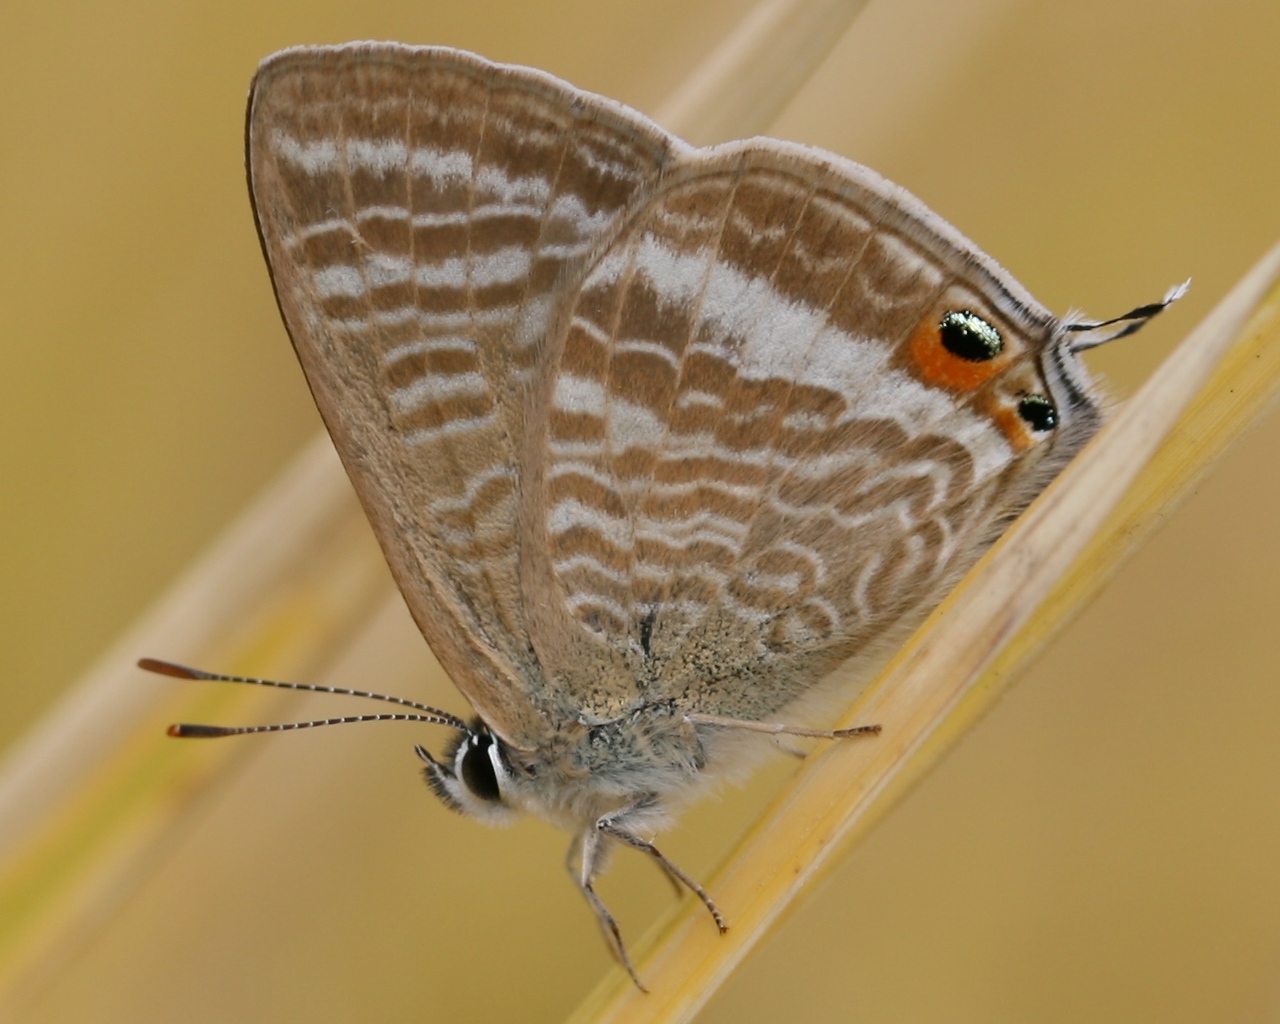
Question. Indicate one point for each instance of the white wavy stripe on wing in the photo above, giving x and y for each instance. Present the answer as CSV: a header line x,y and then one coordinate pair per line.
x,y
421,346
476,483
453,428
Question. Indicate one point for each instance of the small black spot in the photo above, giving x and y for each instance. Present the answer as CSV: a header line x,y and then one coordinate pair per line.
x,y
646,630
477,770
1039,412
968,336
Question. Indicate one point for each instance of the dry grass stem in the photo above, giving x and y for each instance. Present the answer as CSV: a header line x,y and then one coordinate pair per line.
x,y
742,85
98,790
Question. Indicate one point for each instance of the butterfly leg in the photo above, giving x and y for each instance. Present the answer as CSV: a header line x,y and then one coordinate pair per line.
x,y
781,729
614,825
671,877
583,862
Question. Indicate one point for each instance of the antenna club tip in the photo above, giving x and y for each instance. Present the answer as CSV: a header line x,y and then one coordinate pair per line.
x,y
187,731
167,668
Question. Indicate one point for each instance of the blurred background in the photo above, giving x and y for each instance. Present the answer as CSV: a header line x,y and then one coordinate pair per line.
x,y
1103,846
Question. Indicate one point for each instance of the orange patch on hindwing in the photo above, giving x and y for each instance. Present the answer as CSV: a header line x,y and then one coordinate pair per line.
x,y
935,364
1011,424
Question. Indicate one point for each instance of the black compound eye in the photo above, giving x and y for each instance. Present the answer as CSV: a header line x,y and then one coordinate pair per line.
x,y
1039,412
968,336
477,770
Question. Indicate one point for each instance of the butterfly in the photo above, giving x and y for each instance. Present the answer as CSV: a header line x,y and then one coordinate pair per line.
x,y
654,438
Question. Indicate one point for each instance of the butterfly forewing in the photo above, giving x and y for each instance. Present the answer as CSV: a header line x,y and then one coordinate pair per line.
x,y
419,210
746,467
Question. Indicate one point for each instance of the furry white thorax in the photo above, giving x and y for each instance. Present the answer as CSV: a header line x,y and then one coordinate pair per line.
x,y
605,770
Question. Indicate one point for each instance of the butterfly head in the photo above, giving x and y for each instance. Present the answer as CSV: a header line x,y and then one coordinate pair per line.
x,y
474,777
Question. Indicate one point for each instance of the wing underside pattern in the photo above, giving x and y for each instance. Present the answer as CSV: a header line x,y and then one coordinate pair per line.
x,y
633,422
420,210
745,482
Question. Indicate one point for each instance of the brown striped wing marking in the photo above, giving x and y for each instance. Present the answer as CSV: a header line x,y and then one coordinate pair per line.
x,y
418,209
633,422
743,480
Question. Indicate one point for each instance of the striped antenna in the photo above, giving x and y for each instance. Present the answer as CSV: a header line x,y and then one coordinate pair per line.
x,y
185,730
169,668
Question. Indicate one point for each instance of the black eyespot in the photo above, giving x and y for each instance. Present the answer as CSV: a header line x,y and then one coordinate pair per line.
x,y
1039,412
968,336
477,770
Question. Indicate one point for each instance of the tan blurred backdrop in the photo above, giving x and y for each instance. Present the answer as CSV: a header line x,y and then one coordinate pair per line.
x,y
1104,846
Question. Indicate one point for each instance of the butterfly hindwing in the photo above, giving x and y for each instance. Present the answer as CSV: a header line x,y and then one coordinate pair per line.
x,y
753,457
